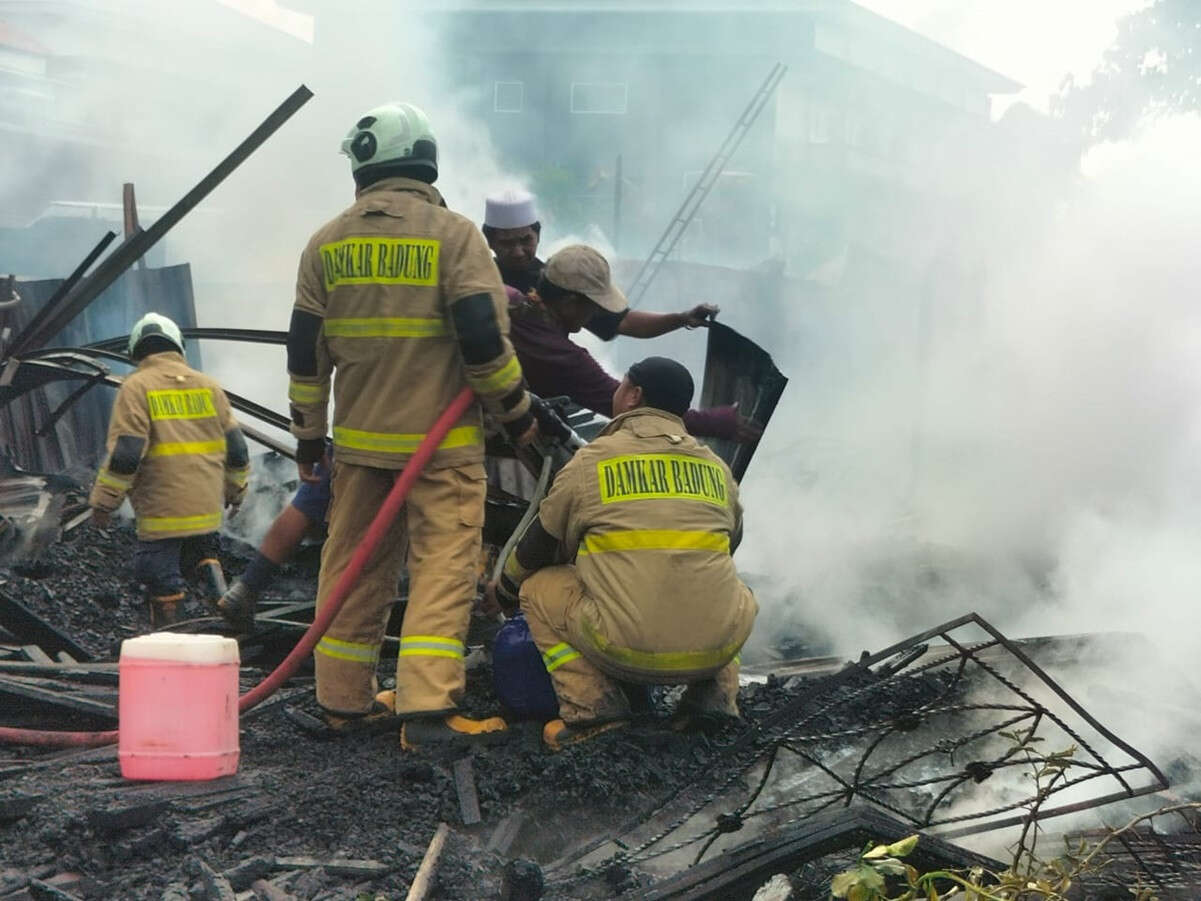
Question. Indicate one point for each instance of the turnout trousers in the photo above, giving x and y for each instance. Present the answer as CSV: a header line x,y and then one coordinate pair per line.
x,y
558,608
164,565
438,533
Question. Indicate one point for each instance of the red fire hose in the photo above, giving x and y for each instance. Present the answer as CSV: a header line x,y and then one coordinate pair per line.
x,y
375,533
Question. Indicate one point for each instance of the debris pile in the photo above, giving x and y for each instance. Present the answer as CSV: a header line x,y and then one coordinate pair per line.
x,y
811,771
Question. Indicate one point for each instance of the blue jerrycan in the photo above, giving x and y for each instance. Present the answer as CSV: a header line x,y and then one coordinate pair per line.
x,y
519,676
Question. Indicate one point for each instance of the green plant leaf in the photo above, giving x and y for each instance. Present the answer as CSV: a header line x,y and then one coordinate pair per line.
x,y
842,884
869,878
903,847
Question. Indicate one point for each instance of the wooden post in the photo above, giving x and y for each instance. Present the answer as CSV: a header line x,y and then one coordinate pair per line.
x,y
129,206
424,879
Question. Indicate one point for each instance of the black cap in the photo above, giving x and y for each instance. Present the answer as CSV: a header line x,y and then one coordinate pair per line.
x,y
665,384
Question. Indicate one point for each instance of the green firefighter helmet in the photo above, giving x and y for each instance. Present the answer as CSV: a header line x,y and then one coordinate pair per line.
x,y
154,325
395,134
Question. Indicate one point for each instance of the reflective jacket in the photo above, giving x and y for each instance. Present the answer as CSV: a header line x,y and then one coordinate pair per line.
x,y
400,297
651,517
174,448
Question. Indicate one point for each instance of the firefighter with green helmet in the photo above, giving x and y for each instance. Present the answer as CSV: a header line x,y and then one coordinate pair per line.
x,y
399,296
175,450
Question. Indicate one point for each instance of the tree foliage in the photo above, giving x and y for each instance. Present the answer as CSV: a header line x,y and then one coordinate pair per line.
x,y
1152,68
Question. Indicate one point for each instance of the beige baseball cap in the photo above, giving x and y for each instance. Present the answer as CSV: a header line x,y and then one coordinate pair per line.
x,y
579,268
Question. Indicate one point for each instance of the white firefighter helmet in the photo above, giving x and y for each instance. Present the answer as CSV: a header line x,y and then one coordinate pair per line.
x,y
392,134
156,325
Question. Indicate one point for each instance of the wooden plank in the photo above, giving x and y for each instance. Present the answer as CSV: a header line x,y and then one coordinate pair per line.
x,y
106,694
506,833
247,872
36,654
338,866
469,799
216,886
29,627
56,699
429,865
119,817
95,673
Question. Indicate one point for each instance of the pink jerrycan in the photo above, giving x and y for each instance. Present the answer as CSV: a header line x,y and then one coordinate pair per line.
x,y
178,707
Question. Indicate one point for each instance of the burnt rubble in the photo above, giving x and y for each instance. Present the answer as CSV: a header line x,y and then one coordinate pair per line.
x,y
311,815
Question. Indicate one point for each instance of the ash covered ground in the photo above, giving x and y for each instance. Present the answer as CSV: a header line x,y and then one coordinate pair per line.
x,y
299,794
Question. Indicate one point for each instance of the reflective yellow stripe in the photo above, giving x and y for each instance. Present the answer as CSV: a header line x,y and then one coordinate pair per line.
x,y
174,448
382,327
635,477
655,540
391,443
508,373
661,661
104,477
354,651
514,570
380,261
558,655
432,646
300,393
236,476
179,523
185,403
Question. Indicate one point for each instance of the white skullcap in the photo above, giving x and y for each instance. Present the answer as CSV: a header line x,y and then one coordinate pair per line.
x,y
510,209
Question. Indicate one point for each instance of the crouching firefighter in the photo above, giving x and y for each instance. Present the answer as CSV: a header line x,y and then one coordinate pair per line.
x,y
175,449
399,297
649,517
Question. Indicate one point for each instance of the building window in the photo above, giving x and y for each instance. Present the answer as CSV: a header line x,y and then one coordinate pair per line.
x,y
820,122
606,97
508,96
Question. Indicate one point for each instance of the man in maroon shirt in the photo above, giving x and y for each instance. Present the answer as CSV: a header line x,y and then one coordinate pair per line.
x,y
513,231
573,288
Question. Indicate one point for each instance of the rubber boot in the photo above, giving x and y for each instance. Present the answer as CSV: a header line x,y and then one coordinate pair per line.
x,y
451,732
237,606
557,734
382,715
164,609
709,705
212,582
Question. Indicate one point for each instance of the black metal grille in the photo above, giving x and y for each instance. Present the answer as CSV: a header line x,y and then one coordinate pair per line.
x,y
926,731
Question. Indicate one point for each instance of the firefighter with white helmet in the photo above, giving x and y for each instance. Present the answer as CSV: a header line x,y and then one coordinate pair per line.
x,y
176,451
400,298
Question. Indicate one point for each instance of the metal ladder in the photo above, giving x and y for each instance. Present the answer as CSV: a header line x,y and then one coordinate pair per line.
x,y
703,186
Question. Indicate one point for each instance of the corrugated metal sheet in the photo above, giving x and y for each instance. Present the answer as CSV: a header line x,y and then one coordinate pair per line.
x,y
76,441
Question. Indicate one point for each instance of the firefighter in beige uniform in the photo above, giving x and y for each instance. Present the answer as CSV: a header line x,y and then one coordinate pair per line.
x,y
176,450
650,518
400,297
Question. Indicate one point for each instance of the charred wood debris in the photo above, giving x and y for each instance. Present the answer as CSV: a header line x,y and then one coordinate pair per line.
x,y
830,754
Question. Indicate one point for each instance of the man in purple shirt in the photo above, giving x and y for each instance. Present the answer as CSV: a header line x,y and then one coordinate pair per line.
x,y
545,311
574,286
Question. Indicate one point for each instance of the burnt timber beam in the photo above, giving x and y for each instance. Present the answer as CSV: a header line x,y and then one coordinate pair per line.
x,y
68,283
250,335
31,692
133,248
45,368
32,629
